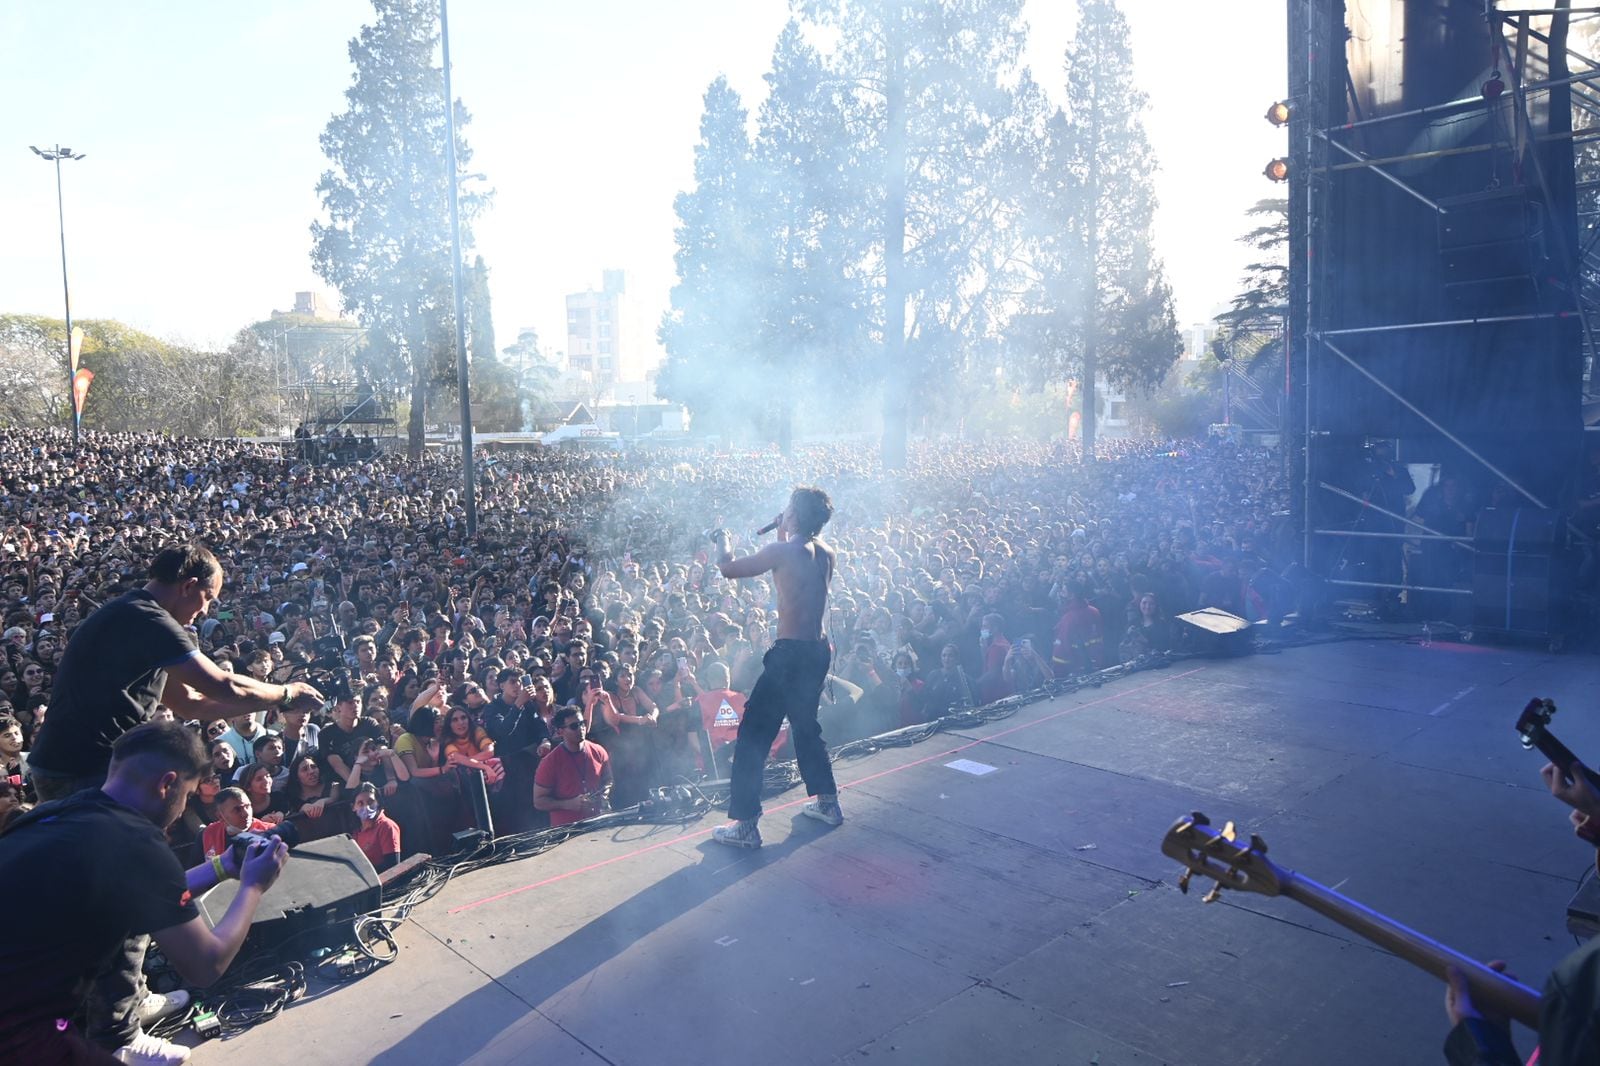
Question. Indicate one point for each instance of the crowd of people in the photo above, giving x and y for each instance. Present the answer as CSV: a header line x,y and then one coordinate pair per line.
x,y
581,648
981,570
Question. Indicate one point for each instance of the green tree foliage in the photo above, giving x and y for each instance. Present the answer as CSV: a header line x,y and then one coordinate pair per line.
x,y
1249,343
928,104
34,385
915,219
141,383
536,378
496,404
812,336
710,331
1130,331
386,242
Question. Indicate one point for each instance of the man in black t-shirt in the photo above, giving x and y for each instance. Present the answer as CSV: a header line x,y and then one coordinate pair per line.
x,y
520,738
122,660
81,920
133,653
340,740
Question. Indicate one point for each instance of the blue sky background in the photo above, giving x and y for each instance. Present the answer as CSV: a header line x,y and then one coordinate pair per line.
x,y
190,216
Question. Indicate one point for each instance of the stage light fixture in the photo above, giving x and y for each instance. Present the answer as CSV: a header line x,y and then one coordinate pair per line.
x,y
1278,114
1277,170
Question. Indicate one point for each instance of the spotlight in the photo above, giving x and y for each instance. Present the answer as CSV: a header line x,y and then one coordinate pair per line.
x,y
1277,170
1278,113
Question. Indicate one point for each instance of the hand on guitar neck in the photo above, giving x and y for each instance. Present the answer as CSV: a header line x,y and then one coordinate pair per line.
x,y
1567,778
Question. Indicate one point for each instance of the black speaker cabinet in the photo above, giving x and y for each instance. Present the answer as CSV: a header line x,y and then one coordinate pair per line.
x,y
1514,570
324,884
1492,245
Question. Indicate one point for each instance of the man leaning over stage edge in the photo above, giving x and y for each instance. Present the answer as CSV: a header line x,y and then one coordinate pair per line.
x,y
122,660
99,870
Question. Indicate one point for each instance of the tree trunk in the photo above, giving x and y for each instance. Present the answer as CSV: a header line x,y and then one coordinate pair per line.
x,y
1091,336
419,401
895,388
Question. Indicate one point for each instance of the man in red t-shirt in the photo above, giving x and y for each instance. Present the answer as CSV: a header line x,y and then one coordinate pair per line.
x,y
573,781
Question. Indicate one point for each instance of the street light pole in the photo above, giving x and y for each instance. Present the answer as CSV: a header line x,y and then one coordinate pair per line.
x,y
469,493
56,155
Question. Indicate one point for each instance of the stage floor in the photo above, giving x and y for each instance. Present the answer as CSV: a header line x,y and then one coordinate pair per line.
x,y
1025,914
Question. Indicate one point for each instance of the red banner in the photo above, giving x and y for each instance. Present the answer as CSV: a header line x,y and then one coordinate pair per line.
x,y
80,389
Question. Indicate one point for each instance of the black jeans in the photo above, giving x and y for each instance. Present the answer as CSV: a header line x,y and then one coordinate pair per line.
x,y
790,686
112,1017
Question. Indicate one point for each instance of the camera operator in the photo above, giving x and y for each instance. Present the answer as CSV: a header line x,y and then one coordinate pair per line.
x,y
120,662
82,920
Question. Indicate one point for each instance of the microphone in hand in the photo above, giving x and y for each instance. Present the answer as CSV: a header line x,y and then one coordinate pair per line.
x,y
768,528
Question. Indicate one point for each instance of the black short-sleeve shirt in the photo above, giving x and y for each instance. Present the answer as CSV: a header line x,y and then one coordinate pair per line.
x,y
335,741
60,857
110,679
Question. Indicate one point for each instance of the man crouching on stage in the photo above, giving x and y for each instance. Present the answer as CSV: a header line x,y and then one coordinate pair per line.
x,y
793,670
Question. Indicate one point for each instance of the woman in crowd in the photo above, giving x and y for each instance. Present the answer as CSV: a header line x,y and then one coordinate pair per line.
x,y
949,688
909,690
631,717
1150,632
376,834
256,780
466,746
199,812
377,764
309,791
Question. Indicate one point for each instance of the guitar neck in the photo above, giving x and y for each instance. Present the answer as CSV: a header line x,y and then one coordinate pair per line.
x,y
1491,991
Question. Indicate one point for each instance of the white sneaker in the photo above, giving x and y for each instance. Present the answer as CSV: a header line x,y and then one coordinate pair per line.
x,y
147,1050
157,1005
738,835
824,810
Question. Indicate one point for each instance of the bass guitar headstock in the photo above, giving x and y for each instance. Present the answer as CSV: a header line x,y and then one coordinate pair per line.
x,y
1219,855
1535,720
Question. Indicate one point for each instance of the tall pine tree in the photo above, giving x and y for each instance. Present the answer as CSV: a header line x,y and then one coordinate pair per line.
x,y
1129,328
927,99
386,242
710,330
813,338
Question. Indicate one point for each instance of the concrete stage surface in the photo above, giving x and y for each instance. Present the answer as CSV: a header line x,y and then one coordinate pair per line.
x,y
1025,914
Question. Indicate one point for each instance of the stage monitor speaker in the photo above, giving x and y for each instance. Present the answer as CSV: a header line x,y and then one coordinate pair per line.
x,y
324,884
1517,555
1215,632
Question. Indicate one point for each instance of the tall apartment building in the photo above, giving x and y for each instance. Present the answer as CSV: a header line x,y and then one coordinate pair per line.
x,y
594,331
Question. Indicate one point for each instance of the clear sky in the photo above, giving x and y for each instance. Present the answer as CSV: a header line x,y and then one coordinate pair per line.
x,y
190,216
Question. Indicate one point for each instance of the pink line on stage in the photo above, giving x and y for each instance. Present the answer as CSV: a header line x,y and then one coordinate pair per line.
x,y
796,802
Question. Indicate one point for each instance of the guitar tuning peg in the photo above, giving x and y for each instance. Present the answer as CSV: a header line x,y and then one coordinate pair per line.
x,y
1258,845
1214,895
1183,880
1227,832
1199,819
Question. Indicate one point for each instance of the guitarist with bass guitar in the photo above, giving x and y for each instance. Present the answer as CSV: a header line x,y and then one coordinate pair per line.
x,y
1481,1001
